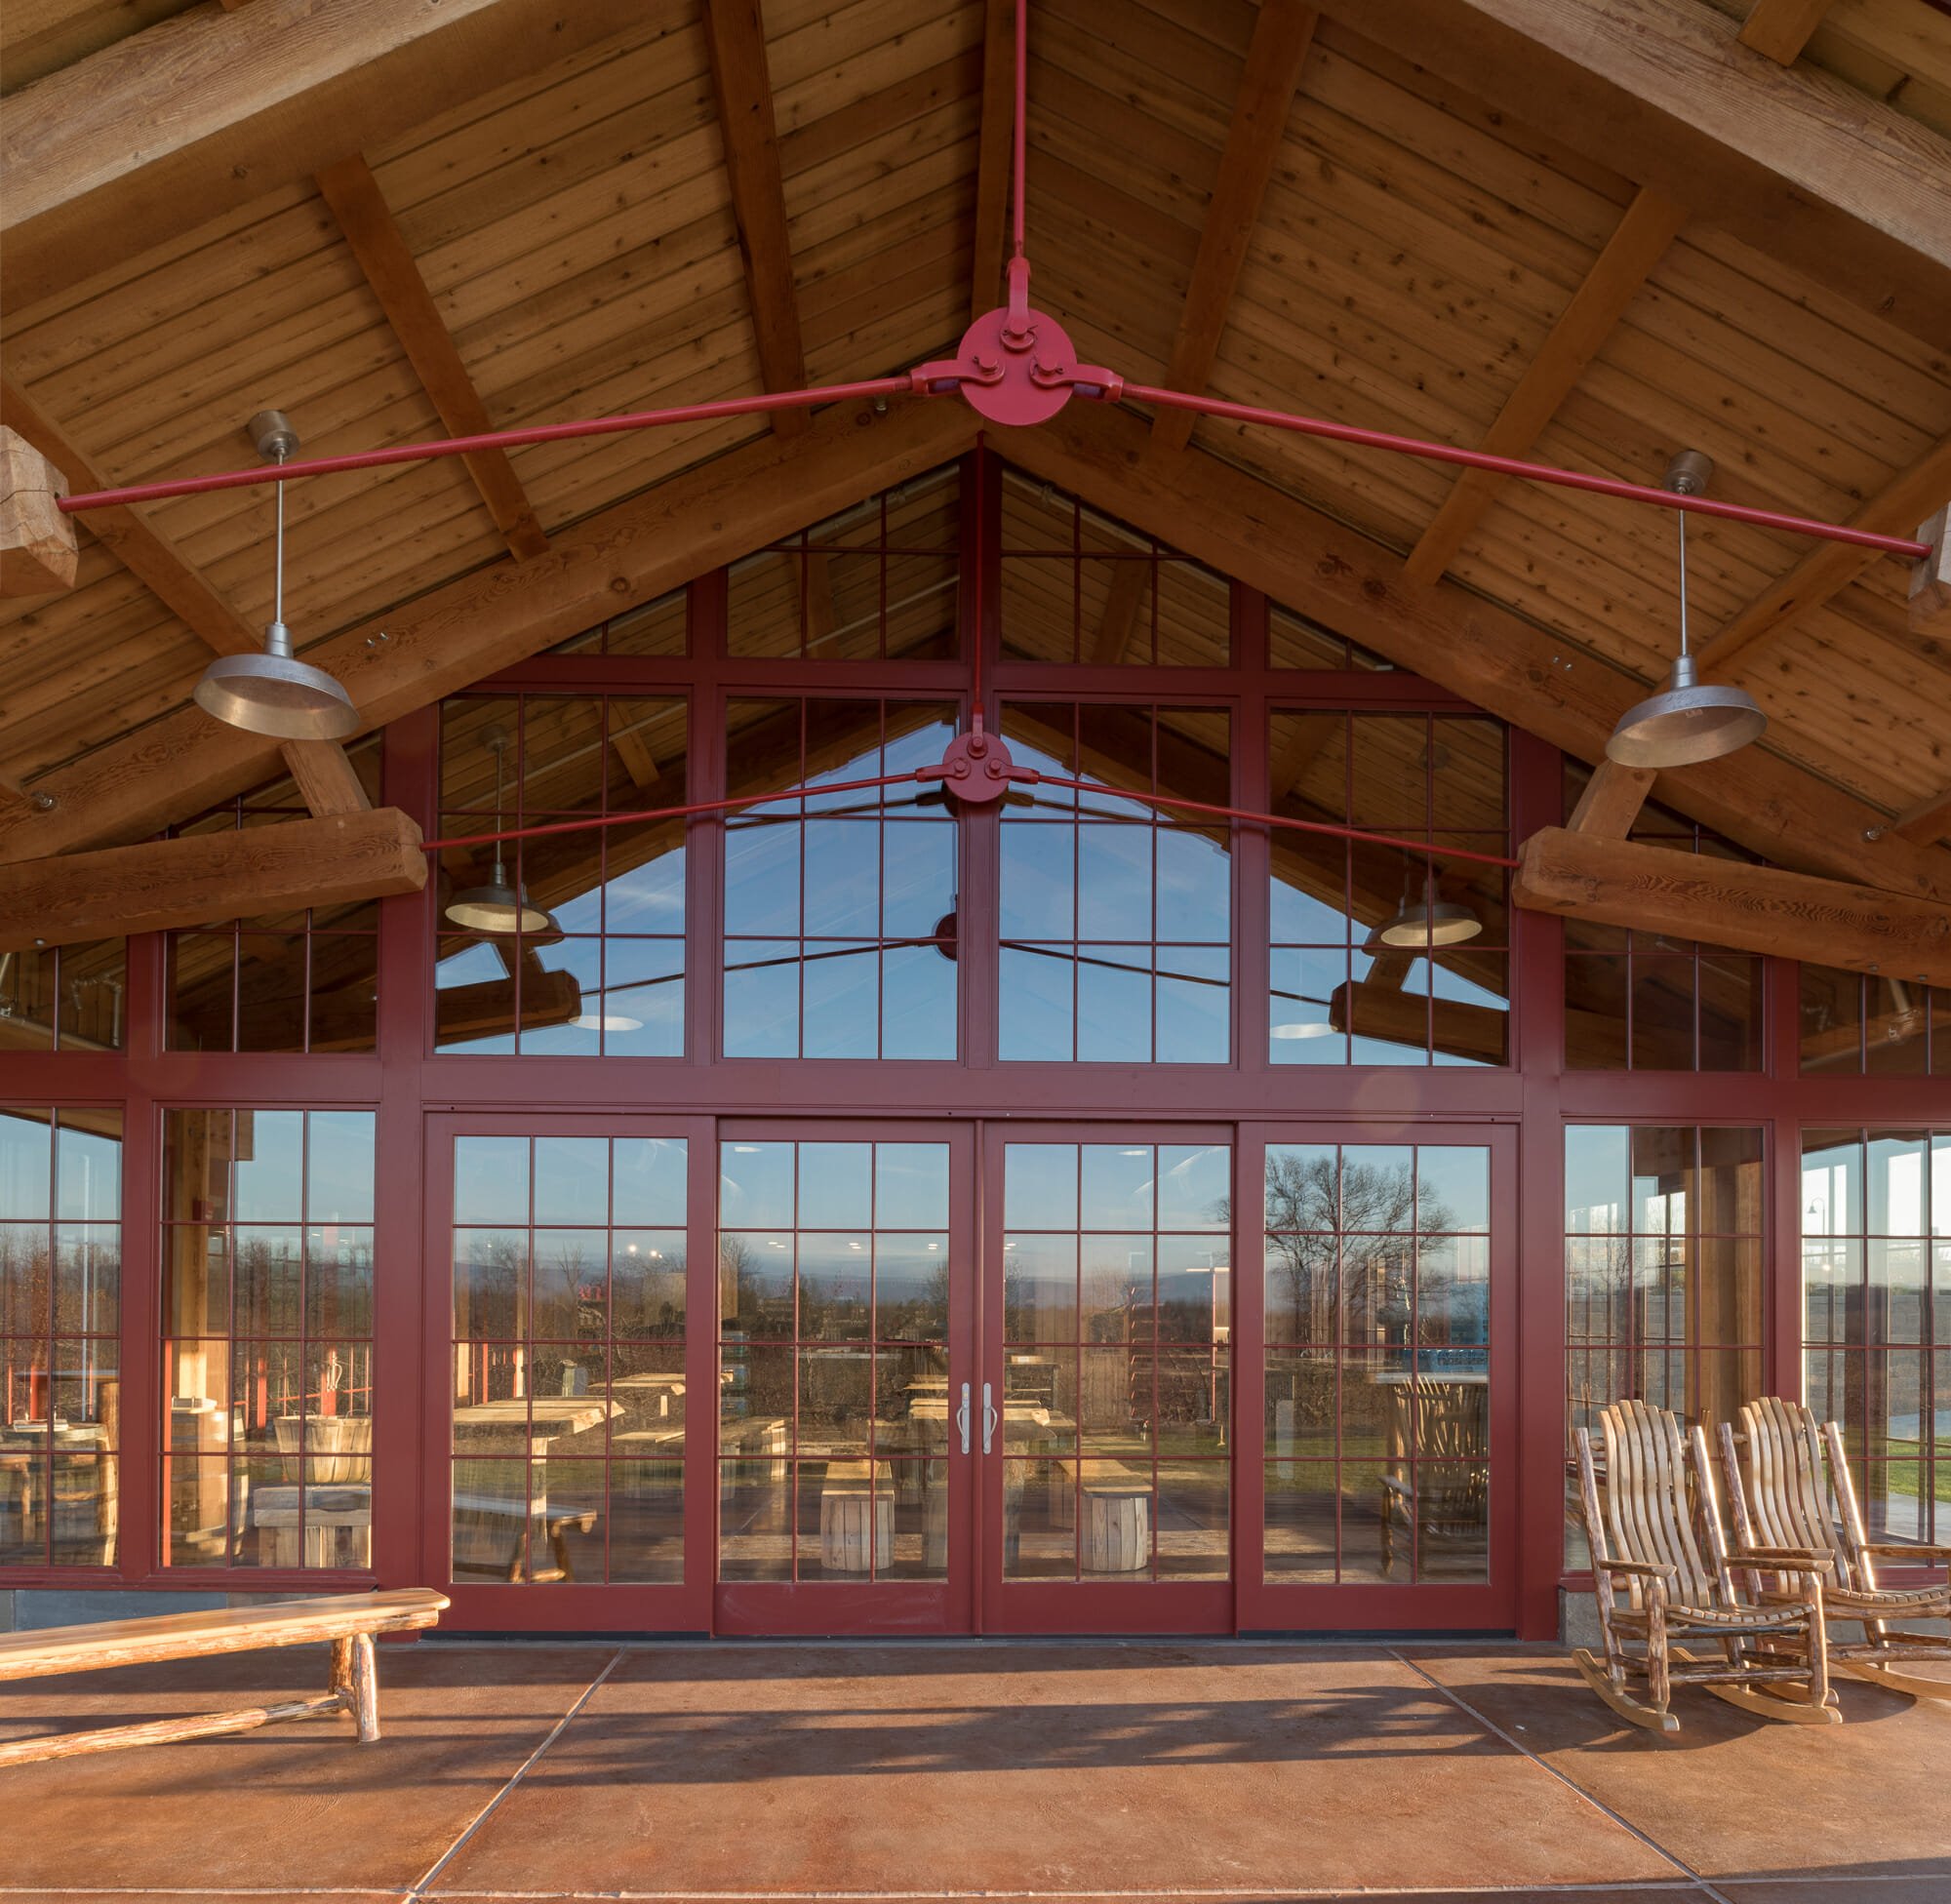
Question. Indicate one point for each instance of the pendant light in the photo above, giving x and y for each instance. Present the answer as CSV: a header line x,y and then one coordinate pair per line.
x,y
273,692
499,909
1686,720
1426,921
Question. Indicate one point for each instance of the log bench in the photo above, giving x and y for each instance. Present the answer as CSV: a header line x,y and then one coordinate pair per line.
x,y
349,1621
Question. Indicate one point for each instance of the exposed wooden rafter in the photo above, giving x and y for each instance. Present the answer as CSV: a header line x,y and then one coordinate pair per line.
x,y
209,109
992,155
38,552
1791,161
375,239
1612,799
324,777
1637,245
735,35
1780,28
1283,32
1489,655
1829,568
1827,921
482,622
1927,823
165,883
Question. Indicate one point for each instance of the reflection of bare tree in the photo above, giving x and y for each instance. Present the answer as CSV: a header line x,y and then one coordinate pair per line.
x,y
571,1285
1365,1229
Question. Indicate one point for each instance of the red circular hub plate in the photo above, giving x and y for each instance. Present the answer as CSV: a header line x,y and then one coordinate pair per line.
x,y
976,767
1015,400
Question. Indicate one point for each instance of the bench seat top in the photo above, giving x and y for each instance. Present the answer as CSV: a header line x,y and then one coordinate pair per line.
x,y
219,1629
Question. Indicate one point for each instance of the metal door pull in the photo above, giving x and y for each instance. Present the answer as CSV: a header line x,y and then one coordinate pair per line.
x,y
962,1418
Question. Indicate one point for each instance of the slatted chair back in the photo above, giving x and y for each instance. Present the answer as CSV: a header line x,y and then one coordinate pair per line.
x,y
1448,1420
1645,1503
1785,1493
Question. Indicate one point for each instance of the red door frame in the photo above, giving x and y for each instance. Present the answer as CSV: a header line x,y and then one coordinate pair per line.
x,y
1368,1607
881,1606
583,1606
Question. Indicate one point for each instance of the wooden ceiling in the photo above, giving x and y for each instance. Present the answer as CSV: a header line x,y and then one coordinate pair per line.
x,y
1274,205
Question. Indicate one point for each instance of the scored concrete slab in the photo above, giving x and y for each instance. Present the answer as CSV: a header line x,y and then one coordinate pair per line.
x,y
295,1804
1149,1769
1732,1795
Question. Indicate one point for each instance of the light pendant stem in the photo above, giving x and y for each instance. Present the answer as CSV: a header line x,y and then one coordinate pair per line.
x,y
278,567
1680,517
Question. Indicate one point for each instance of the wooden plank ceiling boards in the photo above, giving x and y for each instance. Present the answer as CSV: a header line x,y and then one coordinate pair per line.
x,y
1588,235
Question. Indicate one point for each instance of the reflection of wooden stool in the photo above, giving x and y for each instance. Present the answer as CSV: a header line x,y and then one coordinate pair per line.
x,y
1117,1522
857,1525
761,1444
338,1527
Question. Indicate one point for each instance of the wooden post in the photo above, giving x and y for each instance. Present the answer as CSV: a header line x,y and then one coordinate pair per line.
x,y
37,546
366,1686
342,1670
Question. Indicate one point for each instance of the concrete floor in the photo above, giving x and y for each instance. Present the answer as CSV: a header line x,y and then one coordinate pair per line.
x,y
1085,1772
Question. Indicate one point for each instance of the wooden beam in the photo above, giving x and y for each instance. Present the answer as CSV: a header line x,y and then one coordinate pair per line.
x,y
1283,32
1829,568
488,621
1752,908
1795,163
1612,799
1123,599
1927,823
39,553
205,112
370,230
1780,28
1930,578
1509,667
202,876
992,156
319,768
734,33
1638,243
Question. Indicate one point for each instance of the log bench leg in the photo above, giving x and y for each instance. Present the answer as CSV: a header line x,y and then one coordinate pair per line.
x,y
342,1670
366,1688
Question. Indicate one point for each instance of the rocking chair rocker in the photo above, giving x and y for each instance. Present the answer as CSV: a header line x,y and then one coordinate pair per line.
x,y
1778,1495
1642,1540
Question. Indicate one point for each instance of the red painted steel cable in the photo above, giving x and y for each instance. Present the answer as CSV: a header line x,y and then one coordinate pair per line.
x,y
1538,472
1028,778
1434,852
460,446
697,807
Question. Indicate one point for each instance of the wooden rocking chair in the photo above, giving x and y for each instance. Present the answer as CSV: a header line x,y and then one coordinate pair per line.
x,y
1642,1538
1778,1495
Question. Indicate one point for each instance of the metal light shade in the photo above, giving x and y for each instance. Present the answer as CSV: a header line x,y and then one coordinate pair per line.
x,y
606,1021
499,909
1422,923
274,693
1685,723
1304,1028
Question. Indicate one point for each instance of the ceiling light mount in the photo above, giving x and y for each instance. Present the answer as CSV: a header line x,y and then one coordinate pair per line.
x,y
272,692
1688,721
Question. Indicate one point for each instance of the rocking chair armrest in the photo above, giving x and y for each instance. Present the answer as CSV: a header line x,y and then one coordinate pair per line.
x,y
1643,1569
1787,1559
1909,1549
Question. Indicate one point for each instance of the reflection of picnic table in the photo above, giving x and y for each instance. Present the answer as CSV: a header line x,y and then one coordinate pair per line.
x,y
482,1503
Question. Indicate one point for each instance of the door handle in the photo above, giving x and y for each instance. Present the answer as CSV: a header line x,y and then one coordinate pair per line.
x,y
988,1419
962,1418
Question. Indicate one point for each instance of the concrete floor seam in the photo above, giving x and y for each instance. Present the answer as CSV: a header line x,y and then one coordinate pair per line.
x,y
1598,1804
416,1891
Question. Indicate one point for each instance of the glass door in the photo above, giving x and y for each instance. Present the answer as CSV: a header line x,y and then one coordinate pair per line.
x,y
570,1374
1107,1439
844,1372
1379,1373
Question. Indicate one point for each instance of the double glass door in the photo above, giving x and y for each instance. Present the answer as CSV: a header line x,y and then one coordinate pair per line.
x,y
935,1376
